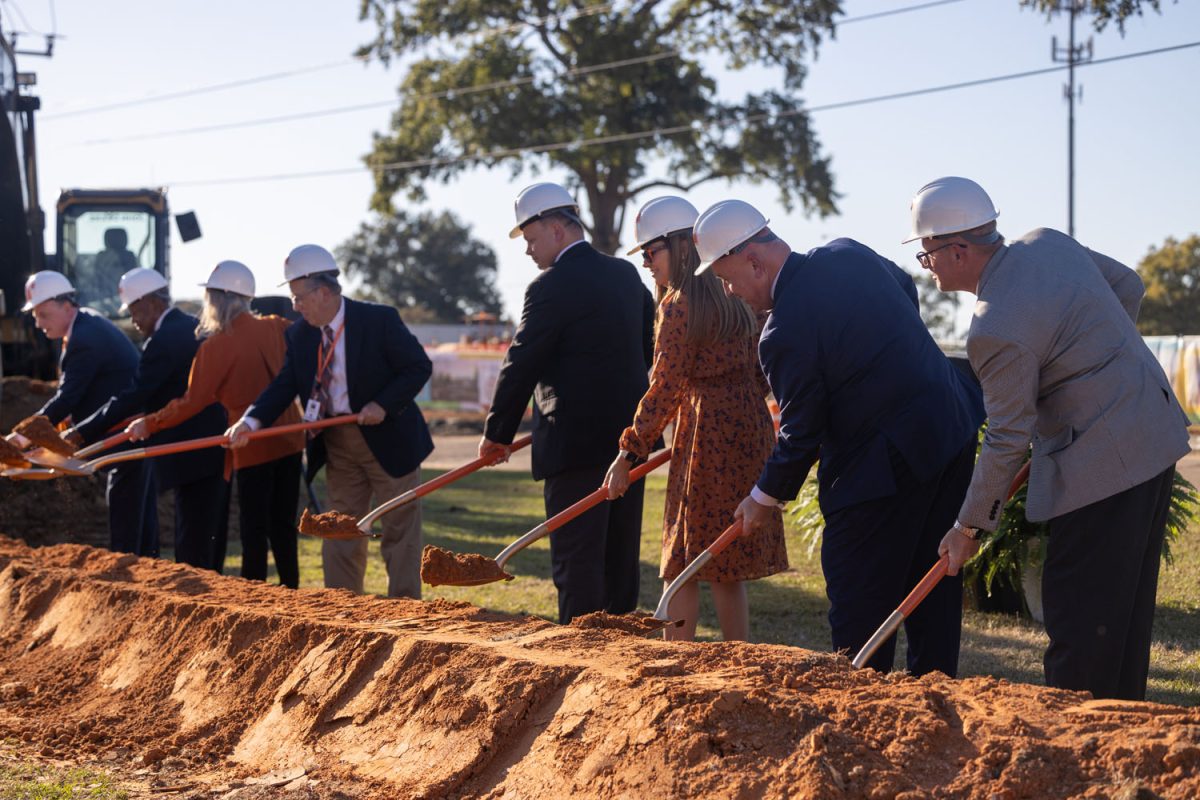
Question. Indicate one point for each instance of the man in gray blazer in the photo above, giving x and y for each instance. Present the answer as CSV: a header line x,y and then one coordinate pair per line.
x,y
1062,365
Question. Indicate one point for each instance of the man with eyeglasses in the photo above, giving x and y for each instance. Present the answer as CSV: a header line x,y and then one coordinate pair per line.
x,y
582,349
1062,365
351,357
862,387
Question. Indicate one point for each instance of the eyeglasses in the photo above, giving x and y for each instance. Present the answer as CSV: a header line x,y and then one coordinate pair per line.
x,y
923,256
296,298
648,253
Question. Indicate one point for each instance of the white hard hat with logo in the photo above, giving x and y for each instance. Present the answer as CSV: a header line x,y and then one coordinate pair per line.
x,y
137,283
534,201
43,286
661,217
231,276
305,260
723,227
949,205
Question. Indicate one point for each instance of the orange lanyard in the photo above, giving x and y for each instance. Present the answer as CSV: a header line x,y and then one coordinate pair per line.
x,y
323,359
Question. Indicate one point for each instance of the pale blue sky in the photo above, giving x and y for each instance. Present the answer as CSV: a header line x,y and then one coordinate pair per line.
x,y
1138,174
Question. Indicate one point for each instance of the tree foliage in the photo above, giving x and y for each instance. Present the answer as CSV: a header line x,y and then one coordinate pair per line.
x,y
509,82
1102,12
1172,277
428,264
939,310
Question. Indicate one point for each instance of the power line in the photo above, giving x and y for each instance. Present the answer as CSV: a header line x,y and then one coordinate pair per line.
x,y
670,131
345,109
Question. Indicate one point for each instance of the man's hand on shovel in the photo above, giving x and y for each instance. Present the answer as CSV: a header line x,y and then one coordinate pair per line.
x,y
754,515
238,434
493,452
958,548
138,430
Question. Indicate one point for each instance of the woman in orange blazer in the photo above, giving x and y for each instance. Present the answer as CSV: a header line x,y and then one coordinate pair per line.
x,y
240,356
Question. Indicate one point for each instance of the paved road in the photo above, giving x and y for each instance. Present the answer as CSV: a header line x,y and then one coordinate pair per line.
x,y
454,451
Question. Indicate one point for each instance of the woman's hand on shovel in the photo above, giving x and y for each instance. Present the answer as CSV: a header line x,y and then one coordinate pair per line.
x,y
138,429
617,478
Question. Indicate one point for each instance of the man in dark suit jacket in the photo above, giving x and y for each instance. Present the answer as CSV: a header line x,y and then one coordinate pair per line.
x,y
346,357
583,350
861,384
97,362
201,491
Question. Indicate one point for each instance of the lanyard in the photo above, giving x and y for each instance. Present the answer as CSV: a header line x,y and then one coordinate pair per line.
x,y
323,358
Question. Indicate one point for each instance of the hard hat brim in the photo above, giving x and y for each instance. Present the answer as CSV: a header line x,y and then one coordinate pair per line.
x,y
704,266
912,237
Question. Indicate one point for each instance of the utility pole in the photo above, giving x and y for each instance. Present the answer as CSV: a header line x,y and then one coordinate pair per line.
x,y
1073,54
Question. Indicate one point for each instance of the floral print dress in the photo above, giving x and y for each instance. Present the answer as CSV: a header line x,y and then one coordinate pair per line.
x,y
723,435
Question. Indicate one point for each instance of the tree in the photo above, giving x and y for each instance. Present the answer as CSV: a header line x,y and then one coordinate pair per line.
x,y
1102,11
511,82
428,264
1172,277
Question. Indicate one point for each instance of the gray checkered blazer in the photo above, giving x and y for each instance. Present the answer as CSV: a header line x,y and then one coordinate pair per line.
x,y
1062,366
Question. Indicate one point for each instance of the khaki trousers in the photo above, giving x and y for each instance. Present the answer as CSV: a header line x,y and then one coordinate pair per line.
x,y
357,483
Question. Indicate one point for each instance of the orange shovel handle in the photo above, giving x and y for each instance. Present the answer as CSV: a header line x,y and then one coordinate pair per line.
x,y
217,441
463,471
104,444
601,494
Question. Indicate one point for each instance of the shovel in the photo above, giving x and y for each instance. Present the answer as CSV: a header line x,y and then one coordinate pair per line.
x,y
662,616
442,568
48,458
75,466
919,592
332,525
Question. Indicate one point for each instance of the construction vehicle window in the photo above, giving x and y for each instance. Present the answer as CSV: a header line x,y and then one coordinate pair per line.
x,y
99,246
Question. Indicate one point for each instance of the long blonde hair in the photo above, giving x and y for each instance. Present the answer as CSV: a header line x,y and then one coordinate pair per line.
x,y
220,309
713,316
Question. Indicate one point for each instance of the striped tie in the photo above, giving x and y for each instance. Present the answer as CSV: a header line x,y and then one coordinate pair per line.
x,y
320,390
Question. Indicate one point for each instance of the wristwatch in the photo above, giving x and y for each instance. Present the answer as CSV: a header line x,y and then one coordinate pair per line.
x,y
630,457
970,533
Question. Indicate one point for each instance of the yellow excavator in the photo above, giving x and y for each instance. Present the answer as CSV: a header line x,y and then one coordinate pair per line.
x,y
99,233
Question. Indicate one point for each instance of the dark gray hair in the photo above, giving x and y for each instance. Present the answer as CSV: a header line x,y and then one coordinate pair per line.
x,y
327,279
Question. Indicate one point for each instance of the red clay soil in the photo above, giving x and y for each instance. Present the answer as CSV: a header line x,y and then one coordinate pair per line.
x,y
40,431
103,653
329,525
440,567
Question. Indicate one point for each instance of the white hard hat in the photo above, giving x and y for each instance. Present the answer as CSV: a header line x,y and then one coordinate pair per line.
x,y
949,205
723,227
305,260
536,200
231,276
661,217
137,283
43,286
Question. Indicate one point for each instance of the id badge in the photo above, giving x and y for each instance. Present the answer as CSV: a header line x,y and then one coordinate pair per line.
x,y
312,411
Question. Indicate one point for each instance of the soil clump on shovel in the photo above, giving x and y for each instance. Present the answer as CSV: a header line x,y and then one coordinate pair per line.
x,y
42,433
329,525
10,455
441,567
635,623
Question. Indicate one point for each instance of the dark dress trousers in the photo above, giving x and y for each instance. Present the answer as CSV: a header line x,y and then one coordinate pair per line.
x,y
583,350
385,364
861,384
98,362
196,477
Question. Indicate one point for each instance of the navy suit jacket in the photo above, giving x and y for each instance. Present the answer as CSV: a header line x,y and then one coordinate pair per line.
x,y
98,362
162,375
854,370
385,364
583,349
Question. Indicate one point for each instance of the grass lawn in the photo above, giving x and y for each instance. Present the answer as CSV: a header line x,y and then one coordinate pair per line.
x,y
485,511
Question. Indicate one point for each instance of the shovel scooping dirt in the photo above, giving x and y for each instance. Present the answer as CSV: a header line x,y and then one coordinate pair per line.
x,y
41,432
11,456
635,623
443,568
329,525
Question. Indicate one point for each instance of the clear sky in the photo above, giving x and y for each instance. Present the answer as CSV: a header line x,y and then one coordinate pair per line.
x,y
1137,181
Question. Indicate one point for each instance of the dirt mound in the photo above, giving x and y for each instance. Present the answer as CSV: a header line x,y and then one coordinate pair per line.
x,y
104,653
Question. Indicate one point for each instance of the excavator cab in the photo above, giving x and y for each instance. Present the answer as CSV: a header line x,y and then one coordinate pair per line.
x,y
104,233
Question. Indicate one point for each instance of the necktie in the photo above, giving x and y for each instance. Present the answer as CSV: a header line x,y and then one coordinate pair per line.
x,y
320,390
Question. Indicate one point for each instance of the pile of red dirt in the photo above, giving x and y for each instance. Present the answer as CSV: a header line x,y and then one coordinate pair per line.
x,y
160,664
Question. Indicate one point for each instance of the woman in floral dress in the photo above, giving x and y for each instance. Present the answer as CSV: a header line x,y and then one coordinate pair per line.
x,y
707,380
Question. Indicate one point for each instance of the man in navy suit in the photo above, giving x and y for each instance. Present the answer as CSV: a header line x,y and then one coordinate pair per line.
x,y
201,491
97,362
345,357
861,385
583,349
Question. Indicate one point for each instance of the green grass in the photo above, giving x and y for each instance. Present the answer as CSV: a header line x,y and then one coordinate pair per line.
x,y
486,511
24,781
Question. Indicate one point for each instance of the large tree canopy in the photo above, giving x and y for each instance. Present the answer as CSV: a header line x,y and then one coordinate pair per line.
x,y
427,265
511,82
1172,277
